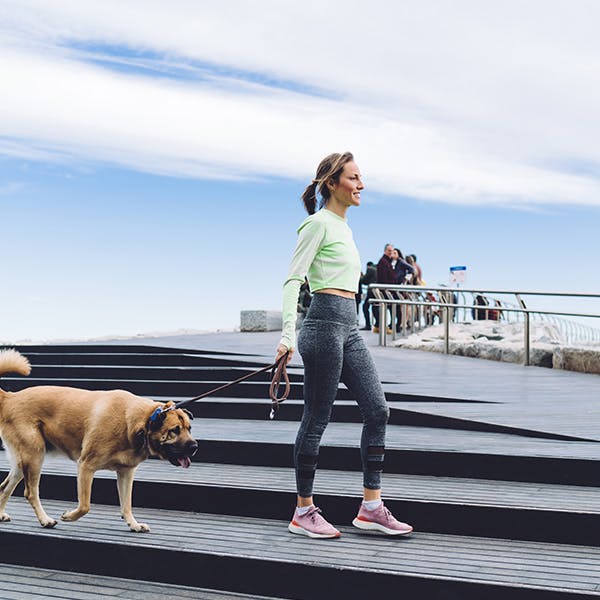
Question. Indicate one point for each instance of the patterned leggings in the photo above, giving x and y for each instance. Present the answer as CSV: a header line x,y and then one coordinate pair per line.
x,y
333,350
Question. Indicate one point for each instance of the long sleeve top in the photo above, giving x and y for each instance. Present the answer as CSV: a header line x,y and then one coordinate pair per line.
x,y
327,256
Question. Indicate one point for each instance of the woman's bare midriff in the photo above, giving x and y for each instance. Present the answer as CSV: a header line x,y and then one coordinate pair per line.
x,y
336,292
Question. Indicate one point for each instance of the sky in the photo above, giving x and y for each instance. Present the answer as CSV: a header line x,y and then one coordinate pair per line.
x,y
153,153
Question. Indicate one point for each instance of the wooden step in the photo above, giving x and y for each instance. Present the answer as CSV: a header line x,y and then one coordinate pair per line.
x,y
106,348
346,411
515,510
144,359
259,556
19,582
416,450
213,373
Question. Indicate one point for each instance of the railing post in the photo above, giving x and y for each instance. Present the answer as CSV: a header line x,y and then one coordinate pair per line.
x,y
527,360
394,313
446,329
382,323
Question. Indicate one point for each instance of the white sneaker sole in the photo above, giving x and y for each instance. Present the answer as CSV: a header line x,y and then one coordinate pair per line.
x,y
301,531
368,526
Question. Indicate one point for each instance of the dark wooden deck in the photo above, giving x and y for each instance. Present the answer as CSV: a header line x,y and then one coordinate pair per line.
x,y
20,583
521,564
496,465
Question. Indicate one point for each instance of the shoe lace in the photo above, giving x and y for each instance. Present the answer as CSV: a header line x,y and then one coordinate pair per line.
x,y
388,515
314,514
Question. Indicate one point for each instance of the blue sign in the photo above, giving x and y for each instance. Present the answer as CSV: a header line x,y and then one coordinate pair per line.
x,y
458,275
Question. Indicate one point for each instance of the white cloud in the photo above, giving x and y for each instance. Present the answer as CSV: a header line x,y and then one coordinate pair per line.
x,y
461,102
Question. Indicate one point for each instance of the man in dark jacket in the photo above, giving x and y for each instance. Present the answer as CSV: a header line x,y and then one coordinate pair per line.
x,y
385,274
369,277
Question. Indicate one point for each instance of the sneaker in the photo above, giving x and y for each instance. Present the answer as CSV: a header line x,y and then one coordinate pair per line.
x,y
375,329
389,331
313,525
382,520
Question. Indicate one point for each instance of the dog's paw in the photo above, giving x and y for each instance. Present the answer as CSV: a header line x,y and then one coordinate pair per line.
x,y
73,515
49,523
5,518
139,527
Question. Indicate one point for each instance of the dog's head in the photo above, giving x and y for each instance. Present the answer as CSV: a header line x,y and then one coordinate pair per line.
x,y
169,435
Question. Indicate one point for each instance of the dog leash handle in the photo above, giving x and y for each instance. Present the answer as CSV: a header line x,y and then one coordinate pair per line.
x,y
279,370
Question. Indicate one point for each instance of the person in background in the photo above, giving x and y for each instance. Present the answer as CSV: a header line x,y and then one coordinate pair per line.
x,y
404,272
332,348
367,279
304,298
401,267
416,265
479,314
415,278
385,274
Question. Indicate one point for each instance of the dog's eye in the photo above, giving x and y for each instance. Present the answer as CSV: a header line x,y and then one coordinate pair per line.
x,y
175,430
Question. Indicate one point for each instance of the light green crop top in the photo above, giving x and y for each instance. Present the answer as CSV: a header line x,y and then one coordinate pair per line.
x,y
325,254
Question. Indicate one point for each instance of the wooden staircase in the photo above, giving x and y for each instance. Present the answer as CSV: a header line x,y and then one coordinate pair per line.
x,y
499,512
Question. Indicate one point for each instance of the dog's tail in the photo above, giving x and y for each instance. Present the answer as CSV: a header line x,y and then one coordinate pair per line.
x,y
12,361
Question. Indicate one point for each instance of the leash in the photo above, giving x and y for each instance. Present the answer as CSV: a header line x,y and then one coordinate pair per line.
x,y
278,370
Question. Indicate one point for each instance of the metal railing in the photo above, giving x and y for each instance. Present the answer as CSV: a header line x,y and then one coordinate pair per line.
x,y
426,304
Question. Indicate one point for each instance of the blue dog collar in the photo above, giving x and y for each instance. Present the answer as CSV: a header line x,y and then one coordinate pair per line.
x,y
158,412
155,414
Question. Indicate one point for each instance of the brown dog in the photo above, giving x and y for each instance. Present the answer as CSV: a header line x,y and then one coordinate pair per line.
x,y
113,430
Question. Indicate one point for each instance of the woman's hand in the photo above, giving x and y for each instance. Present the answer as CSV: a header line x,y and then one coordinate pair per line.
x,y
281,350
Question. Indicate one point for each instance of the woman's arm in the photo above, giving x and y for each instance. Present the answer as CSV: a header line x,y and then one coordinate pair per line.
x,y
310,238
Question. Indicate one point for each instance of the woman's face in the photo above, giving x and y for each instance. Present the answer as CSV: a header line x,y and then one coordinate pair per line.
x,y
395,255
347,189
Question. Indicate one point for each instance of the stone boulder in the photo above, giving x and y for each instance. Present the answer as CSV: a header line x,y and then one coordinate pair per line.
x,y
584,360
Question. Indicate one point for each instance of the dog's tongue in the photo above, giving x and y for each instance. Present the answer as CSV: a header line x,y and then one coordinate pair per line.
x,y
184,462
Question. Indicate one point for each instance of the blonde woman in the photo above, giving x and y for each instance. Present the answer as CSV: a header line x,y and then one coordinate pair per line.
x,y
332,348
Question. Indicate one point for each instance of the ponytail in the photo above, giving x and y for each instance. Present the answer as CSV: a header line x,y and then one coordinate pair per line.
x,y
330,168
309,197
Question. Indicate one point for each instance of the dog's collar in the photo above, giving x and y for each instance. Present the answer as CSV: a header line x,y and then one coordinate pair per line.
x,y
158,412
152,423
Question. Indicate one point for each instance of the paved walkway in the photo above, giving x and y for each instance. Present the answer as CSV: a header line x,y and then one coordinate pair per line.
x,y
531,398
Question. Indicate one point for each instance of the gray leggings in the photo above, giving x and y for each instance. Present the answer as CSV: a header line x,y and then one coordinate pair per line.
x,y
332,351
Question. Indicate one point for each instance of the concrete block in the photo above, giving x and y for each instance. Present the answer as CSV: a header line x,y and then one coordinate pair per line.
x,y
583,360
260,320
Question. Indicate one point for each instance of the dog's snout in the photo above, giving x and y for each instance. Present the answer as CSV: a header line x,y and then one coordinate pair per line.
x,y
192,447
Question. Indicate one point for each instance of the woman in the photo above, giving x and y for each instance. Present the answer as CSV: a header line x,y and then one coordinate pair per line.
x,y
402,268
332,348
416,274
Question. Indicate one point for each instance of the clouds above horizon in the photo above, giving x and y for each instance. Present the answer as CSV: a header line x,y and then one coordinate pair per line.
x,y
463,102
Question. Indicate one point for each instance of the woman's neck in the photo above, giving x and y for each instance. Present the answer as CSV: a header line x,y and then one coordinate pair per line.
x,y
336,207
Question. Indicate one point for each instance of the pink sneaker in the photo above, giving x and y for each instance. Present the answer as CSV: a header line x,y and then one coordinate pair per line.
x,y
380,519
313,525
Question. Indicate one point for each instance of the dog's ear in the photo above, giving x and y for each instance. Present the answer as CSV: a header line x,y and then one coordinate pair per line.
x,y
188,413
